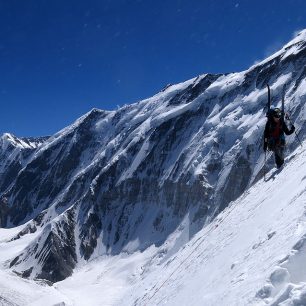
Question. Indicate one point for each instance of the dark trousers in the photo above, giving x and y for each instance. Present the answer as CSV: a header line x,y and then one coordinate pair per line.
x,y
279,155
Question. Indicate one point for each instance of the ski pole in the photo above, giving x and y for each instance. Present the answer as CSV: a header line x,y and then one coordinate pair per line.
x,y
298,138
265,166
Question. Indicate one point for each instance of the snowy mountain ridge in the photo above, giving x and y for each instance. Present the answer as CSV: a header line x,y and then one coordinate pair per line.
x,y
145,178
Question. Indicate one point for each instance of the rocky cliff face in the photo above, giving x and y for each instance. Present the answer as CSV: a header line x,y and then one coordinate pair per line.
x,y
122,180
14,153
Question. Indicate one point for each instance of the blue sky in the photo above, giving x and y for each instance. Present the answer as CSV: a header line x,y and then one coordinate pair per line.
x,y
59,59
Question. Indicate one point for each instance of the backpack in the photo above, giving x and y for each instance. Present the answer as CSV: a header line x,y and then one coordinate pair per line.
x,y
276,137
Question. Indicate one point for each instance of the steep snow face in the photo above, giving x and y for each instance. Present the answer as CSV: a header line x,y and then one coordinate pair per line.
x,y
253,253
121,181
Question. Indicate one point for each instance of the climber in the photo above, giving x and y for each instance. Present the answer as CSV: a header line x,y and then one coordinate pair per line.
x,y
274,138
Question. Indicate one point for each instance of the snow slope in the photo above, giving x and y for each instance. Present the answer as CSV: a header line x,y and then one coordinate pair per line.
x,y
253,253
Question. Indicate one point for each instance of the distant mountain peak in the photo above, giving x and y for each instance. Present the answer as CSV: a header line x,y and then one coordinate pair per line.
x,y
22,142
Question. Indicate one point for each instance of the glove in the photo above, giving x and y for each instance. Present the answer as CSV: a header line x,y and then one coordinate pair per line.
x,y
292,129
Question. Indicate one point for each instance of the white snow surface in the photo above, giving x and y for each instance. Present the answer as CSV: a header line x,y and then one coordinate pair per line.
x,y
254,253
